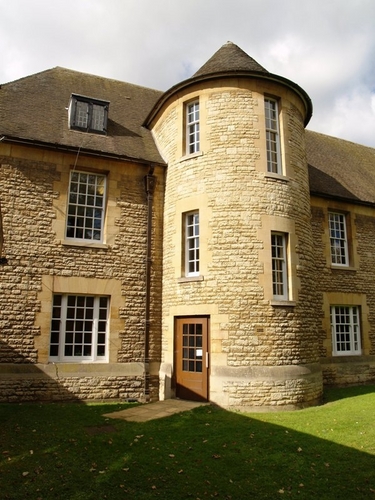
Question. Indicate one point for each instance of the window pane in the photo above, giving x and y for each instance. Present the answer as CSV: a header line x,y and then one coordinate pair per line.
x,y
54,350
55,337
68,350
87,350
56,311
102,313
103,302
88,337
101,350
82,114
98,116
80,313
78,350
69,338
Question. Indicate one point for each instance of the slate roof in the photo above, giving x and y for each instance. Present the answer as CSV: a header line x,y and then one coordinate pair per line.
x,y
340,169
229,58
39,102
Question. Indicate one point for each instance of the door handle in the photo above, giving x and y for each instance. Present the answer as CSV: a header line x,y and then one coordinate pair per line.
x,y
207,359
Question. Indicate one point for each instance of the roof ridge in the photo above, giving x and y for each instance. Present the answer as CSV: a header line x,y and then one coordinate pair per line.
x,y
28,76
69,70
107,78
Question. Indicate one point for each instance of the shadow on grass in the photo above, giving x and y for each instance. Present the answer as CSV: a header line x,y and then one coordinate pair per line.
x,y
204,453
332,394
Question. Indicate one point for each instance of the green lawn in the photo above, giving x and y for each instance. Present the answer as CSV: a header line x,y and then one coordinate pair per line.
x,y
70,451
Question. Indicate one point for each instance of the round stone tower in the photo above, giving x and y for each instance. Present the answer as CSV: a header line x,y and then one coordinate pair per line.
x,y
239,307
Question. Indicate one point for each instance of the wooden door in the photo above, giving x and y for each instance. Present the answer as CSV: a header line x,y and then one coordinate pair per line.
x,y
191,358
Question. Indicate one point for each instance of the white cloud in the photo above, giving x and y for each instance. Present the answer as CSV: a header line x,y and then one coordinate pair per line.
x,y
327,47
352,117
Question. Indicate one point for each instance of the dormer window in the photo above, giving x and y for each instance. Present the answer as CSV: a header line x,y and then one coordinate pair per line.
x,y
88,115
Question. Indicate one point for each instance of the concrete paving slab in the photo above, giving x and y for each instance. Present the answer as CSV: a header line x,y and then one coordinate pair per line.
x,y
152,411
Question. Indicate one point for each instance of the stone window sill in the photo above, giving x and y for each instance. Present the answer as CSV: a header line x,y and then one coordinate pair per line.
x,y
277,177
193,155
343,268
84,244
283,303
190,279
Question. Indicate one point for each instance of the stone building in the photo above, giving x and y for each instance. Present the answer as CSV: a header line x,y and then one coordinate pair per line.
x,y
197,243
81,189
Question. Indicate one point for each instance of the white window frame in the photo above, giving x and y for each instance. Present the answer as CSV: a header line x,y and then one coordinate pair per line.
x,y
279,245
338,238
273,147
78,327
192,127
88,115
346,330
192,243
86,206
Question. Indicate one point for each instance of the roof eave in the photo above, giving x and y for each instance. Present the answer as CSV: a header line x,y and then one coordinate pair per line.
x,y
225,74
343,199
73,149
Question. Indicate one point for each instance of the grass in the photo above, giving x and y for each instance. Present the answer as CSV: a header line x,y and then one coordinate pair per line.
x,y
71,452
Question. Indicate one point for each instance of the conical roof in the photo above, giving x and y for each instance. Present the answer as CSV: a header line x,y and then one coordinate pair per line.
x,y
229,58
229,61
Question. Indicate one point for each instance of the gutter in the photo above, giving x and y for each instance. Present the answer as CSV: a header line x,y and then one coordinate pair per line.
x,y
150,182
343,199
74,150
3,260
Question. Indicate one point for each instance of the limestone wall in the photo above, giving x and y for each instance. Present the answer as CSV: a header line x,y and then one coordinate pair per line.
x,y
352,285
40,262
239,205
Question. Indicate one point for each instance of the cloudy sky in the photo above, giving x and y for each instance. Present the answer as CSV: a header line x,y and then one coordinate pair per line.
x,y
326,46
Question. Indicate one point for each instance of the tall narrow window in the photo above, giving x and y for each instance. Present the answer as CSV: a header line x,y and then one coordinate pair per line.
x,y
192,127
79,328
338,239
279,266
346,335
192,244
272,136
86,201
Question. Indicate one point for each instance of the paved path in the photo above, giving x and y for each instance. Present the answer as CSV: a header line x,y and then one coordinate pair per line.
x,y
151,411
